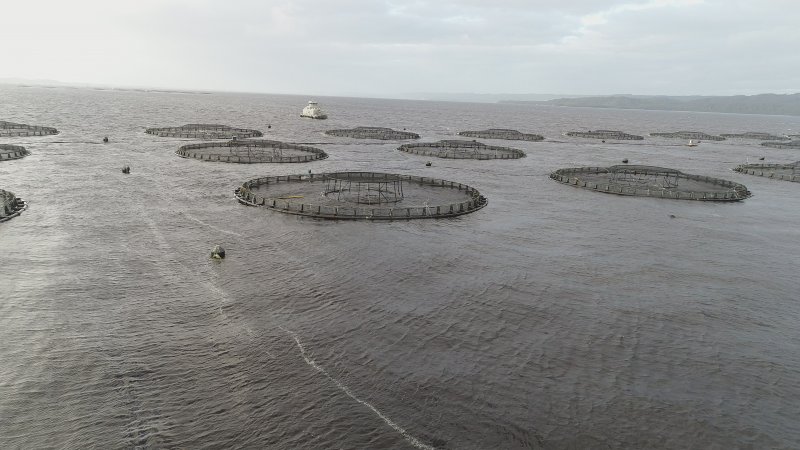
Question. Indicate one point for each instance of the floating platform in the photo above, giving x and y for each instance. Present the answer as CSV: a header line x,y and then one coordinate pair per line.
x,y
693,135
461,149
8,152
11,129
204,131
755,135
651,181
792,145
361,196
251,152
605,134
502,133
385,134
786,172
10,205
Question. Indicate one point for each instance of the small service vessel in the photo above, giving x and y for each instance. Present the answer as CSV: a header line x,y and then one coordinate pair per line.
x,y
313,111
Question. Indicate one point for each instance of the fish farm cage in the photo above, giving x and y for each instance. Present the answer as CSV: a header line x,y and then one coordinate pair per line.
x,y
792,145
694,135
502,133
787,172
461,149
10,205
11,129
384,134
251,152
605,134
755,135
361,196
204,131
12,152
651,181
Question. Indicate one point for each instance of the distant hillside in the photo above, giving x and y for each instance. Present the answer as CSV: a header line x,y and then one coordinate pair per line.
x,y
788,104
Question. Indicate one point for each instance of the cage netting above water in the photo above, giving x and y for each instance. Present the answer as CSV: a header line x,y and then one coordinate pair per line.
x,y
461,149
204,131
11,129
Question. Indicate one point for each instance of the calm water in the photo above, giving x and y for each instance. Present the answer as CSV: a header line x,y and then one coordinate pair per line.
x,y
553,318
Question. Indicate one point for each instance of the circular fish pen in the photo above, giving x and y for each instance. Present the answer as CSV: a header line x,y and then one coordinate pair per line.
x,y
460,149
384,134
251,152
12,152
605,134
755,135
693,135
793,145
787,172
10,205
361,195
651,181
502,133
11,129
204,131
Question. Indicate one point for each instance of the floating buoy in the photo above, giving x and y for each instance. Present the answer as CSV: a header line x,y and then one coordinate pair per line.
x,y
672,216
269,126
603,141
625,161
105,139
218,252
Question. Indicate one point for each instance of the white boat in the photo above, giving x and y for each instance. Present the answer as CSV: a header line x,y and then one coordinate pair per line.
x,y
691,143
313,111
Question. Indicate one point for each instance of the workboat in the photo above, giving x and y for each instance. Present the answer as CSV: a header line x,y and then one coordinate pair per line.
x,y
313,111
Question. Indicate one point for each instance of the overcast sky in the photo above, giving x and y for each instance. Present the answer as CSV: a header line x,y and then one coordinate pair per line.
x,y
391,47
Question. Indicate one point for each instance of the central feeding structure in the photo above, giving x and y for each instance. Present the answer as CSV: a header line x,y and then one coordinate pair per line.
x,y
384,134
502,133
12,152
11,129
787,172
605,134
693,135
361,195
461,149
251,151
651,181
204,131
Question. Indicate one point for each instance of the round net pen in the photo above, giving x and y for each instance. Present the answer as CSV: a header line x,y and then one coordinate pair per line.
x,y
651,181
12,152
251,152
459,149
204,131
793,145
361,196
755,135
11,129
605,134
384,134
693,135
502,133
10,205
786,172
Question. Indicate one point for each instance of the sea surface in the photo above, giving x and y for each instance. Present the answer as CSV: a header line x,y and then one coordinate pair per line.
x,y
553,318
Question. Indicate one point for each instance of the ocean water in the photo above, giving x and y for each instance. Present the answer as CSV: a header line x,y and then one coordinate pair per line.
x,y
553,318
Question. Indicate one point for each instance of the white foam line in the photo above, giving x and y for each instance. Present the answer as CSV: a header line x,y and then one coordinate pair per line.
x,y
411,439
